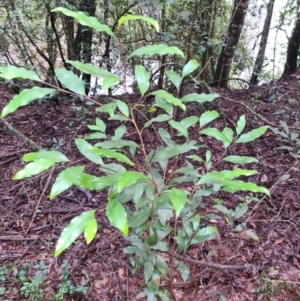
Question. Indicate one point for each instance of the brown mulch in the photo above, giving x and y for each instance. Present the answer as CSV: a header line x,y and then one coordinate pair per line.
x,y
30,223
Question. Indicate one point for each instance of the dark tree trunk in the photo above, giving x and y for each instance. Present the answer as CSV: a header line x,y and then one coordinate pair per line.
x,y
292,50
234,31
84,38
262,46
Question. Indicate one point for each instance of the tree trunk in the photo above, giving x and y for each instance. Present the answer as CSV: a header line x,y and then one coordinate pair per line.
x,y
84,39
263,44
234,31
292,50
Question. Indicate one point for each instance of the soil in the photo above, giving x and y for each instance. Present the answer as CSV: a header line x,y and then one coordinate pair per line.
x,y
234,265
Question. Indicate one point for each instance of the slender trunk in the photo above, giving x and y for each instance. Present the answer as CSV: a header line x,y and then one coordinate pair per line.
x,y
263,44
232,39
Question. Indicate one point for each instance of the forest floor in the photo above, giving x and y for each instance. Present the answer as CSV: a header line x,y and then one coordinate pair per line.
x,y
30,224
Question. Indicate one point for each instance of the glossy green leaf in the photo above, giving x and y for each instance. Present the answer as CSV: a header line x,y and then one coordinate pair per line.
x,y
169,98
179,127
108,78
199,98
91,182
207,117
111,154
65,180
190,67
152,238
218,176
215,133
196,221
184,271
117,216
169,152
24,98
100,126
116,143
234,185
73,231
240,124
122,107
11,72
90,230
70,81
228,132
86,149
119,132
108,108
43,154
240,159
178,199
252,135
159,118
34,168
142,78
189,121
195,158
95,135
138,218
151,21
165,136
205,234
85,20
168,107
128,178
174,77
160,49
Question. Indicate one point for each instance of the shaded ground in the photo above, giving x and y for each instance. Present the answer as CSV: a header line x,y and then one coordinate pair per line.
x,y
30,224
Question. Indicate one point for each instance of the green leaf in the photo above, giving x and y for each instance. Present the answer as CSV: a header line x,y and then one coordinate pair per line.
x,y
91,182
95,135
165,136
166,153
109,108
111,154
195,158
100,126
229,135
65,180
11,72
174,77
152,238
24,98
169,98
137,17
116,143
252,135
119,132
122,107
233,186
34,168
138,218
240,124
252,234
191,66
204,234
85,20
159,102
215,133
43,154
207,117
184,271
90,230
160,49
73,231
178,199
109,79
142,78
199,98
218,176
189,121
70,81
128,178
196,221
179,127
117,216
240,159
159,118
86,149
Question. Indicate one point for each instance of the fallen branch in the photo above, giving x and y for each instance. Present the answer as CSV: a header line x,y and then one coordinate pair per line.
x,y
28,141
